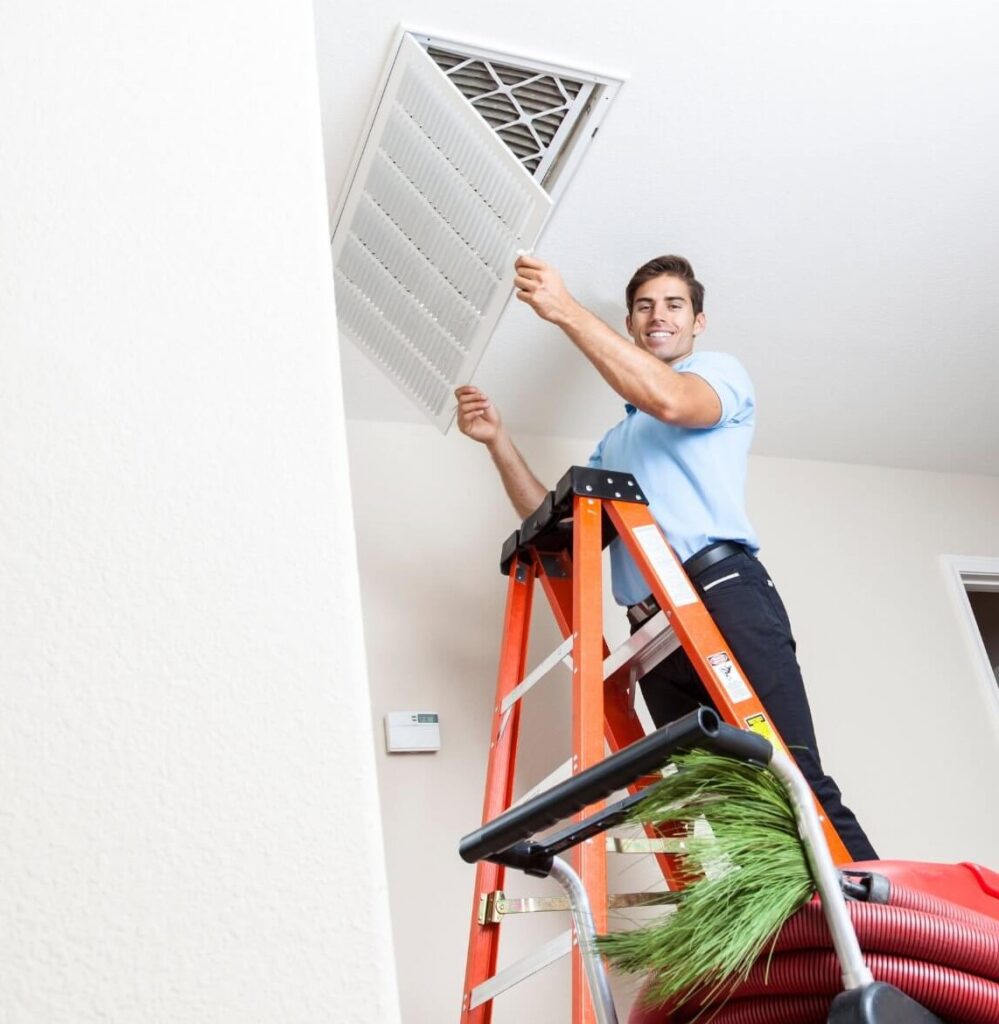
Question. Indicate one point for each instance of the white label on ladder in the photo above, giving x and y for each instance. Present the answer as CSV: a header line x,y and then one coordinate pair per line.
x,y
728,675
664,562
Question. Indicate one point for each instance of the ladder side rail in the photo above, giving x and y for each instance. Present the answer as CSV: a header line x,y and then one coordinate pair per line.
x,y
621,723
685,611
588,717
716,665
555,577
483,940
622,726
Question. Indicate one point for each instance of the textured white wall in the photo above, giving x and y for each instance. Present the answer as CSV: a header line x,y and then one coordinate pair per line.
x,y
190,826
901,716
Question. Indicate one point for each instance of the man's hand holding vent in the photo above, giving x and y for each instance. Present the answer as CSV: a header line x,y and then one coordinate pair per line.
x,y
540,285
478,418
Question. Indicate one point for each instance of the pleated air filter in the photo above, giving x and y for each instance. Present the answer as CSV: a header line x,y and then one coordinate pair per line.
x,y
439,203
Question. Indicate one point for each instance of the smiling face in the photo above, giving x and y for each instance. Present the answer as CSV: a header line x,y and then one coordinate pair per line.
x,y
662,319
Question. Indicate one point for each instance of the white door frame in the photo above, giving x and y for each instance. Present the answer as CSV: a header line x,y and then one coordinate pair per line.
x,y
971,572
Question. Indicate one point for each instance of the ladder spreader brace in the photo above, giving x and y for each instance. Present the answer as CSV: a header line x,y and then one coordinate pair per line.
x,y
559,545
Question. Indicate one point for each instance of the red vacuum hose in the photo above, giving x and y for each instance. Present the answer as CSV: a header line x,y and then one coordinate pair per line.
x,y
952,995
904,933
944,956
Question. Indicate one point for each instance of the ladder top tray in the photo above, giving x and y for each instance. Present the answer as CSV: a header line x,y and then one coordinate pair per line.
x,y
549,527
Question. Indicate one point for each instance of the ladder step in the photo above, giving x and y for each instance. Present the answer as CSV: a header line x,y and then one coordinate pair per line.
x,y
544,955
494,906
639,654
643,844
643,650
624,900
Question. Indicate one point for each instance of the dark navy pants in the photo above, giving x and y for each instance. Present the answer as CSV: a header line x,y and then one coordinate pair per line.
x,y
747,609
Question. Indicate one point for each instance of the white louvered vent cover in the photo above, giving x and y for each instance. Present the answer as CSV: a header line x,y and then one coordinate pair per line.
x,y
424,246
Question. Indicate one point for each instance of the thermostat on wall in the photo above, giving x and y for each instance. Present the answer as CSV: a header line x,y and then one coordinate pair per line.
x,y
408,732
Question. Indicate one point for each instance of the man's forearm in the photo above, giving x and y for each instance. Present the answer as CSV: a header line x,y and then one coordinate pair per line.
x,y
523,488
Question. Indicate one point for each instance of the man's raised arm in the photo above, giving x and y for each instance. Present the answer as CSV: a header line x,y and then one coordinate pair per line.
x,y
648,383
480,420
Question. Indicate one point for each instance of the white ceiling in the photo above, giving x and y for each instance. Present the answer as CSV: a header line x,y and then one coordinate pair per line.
x,y
832,173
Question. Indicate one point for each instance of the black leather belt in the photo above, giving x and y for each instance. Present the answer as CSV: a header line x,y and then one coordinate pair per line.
x,y
694,566
712,555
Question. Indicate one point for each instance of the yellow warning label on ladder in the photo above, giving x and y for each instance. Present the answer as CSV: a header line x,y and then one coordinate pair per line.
x,y
760,724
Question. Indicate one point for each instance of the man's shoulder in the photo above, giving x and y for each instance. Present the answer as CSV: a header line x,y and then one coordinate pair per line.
x,y
718,366
708,357
730,381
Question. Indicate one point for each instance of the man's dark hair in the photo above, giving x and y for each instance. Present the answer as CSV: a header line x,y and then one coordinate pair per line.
x,y
675,266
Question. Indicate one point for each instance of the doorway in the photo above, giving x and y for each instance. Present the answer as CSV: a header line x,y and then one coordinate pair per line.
x,y
975,585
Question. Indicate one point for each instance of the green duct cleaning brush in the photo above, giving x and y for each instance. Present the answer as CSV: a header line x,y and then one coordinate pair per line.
x,y
751,870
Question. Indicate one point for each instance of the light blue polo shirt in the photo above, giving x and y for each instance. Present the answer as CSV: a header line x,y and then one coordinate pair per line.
x,y
694,478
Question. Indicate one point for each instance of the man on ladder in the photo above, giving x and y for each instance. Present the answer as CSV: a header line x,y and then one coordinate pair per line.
x,y
685,436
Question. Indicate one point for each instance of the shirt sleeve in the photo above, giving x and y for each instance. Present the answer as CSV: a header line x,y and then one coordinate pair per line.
x,y
729,380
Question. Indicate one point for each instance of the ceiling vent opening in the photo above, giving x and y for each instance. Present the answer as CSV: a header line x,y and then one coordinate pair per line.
x,y
463,157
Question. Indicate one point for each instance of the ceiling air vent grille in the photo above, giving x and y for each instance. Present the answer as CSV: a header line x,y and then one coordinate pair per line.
x,y
524,104
424,244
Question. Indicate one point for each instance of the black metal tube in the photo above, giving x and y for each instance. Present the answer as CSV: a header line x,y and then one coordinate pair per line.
x,y
701,728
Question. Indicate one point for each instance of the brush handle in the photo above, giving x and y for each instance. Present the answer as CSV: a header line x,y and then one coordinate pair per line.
x,y
701,728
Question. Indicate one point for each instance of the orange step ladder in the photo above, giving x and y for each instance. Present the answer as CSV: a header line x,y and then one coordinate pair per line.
x,y
560,546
